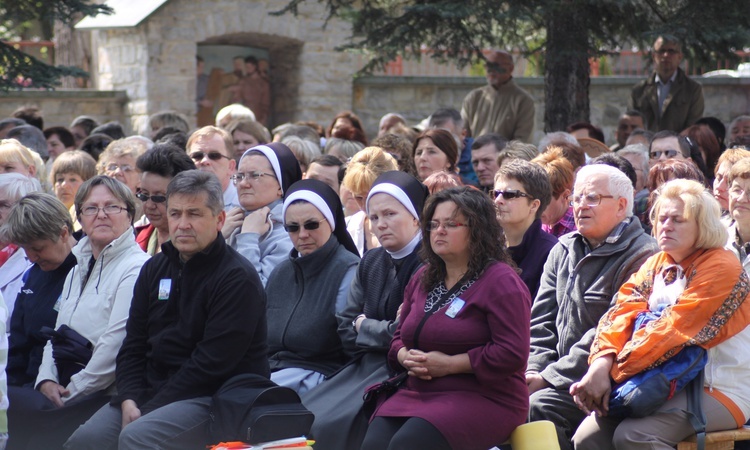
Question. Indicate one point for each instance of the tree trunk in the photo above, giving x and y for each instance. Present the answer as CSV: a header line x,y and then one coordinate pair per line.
x,y
566,74
72,48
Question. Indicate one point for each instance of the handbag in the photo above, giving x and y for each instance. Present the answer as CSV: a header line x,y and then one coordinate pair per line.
x,y
254,409
70,351
377,394
644,393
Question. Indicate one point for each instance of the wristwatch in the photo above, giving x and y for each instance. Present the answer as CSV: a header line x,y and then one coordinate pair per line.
x,y
354,322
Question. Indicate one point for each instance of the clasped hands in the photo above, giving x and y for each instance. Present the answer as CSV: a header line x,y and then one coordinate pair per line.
x,y
425,365
591,394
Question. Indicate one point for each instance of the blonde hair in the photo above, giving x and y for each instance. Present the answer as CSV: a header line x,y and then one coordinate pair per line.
x,y
207,132
700,205
74,161
365,167
13,151
121,148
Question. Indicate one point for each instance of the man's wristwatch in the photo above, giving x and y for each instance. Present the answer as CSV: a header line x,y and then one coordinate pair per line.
x,y
354,322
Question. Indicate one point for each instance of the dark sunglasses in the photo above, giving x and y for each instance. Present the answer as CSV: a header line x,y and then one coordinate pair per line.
x,y
309,226
509,194
213,156
154,198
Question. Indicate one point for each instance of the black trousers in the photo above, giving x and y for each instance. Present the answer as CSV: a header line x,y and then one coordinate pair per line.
x,y
403,433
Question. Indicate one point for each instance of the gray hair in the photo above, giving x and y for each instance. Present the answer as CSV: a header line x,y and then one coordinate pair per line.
x,y
346,148
194,182
31,137
16,185
554,137
619,184
303,149
118,189
37,216
639,150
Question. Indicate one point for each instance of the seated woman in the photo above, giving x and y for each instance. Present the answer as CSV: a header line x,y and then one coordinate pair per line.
x,y
41,226
435,150
256,230
361,172
463,337
307,290
95,302
13,260
738,181
720,185
69,171
118,162
366,325
157,167
522,192
702,292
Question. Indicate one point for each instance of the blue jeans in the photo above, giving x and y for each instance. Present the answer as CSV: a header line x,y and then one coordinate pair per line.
x,y
179,425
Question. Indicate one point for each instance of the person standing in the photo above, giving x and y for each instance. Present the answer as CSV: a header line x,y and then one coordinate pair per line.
x,y
668,99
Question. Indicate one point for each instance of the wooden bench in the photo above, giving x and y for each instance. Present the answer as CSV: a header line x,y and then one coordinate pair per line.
x,y
718,440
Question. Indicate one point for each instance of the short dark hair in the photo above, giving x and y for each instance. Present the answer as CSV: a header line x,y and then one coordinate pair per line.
x,y
166,160
635,113
252,60
681,141
716,126
87,123
490,138
486,242
11,122
594,131
618,162
32,137
442,115
65,136
331,161
194,182
532,177
95,144
31,115
112,129
444,141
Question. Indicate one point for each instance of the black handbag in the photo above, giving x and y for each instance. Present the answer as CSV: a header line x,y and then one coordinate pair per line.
x,y
70,350
254,409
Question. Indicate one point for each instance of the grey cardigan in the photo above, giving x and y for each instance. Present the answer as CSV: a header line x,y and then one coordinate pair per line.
x,y
577,288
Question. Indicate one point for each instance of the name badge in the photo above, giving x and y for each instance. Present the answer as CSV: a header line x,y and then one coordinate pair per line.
x,y
165,286
58,303
454,308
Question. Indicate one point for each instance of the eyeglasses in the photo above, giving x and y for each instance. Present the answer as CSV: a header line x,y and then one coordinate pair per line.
x,y
309,226
213,156
154,198
671,153
589,200
450,225
124,168
509,194
738,192
239,176
667,51
108,210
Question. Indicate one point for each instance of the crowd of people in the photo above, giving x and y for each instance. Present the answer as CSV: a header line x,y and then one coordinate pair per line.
x,y
496,280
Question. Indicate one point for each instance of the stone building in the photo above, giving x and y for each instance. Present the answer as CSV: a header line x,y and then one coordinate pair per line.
x,y
148,47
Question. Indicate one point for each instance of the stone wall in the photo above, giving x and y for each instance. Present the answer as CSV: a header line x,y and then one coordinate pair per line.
x,y
155,61
59,108
416,97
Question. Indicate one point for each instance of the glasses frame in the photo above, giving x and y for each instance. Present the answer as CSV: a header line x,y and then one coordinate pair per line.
x,y
572,201
310,225
656,154
112,167
434,225
211,155
509,194
92,211
239,176
144,198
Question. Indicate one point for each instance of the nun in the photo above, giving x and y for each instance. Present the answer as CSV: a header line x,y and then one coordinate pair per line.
x,y
366,325
308,288
256,230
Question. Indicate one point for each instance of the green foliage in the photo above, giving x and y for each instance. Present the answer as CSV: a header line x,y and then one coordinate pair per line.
x,y
19,70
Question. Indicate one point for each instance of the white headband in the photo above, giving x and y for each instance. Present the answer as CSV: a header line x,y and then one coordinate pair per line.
x,y
272,158
313,198
395,192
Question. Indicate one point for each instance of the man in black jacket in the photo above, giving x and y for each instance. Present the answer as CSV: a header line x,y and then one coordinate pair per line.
x,y
197,319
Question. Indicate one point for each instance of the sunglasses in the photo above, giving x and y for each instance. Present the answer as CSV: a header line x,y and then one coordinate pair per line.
x,y
213,156
309,226
509,194
656,154
154,198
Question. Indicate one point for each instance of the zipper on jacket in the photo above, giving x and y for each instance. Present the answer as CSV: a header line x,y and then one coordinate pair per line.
x,y
297,270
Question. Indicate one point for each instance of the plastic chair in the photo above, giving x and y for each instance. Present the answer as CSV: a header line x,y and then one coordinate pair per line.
x,y
539,435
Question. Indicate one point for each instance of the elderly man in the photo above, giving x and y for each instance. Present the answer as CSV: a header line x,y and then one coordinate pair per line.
x,y
193,303
629,122
212,150
739,129
388,121
484,152
668,145
500,107
668,99
583,272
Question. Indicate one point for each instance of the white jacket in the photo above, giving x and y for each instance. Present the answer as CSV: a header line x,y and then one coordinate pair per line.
x,y
98,310
11,279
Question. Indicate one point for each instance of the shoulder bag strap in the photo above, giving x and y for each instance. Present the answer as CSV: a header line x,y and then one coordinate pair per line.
x,y
436,307
695,410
